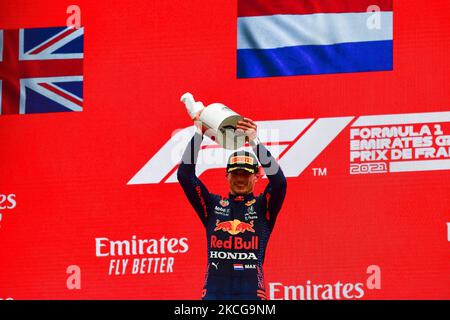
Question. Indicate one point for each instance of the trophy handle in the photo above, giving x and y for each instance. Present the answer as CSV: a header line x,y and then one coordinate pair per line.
x,y
192,106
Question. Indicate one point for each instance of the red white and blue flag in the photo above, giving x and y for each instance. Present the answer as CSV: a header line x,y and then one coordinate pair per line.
x,y
41,70
300,37
238,266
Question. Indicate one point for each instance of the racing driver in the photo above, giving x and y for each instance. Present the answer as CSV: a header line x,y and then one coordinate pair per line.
x,y
238,226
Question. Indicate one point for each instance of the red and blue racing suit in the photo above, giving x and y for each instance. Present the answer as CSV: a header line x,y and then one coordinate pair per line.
x,y
237,227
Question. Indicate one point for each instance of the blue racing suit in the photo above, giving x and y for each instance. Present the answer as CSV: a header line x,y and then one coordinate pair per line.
x,y
237,227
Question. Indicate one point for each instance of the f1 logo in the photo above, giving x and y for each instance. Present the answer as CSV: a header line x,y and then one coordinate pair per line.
x,y
296,143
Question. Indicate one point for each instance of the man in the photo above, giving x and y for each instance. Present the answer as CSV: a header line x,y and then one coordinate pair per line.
x,y
238,227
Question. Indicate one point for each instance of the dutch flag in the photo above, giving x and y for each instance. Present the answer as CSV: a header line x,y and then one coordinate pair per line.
x,y
299,37
238,267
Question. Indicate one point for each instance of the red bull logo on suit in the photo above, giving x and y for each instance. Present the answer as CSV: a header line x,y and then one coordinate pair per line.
x,y
234,227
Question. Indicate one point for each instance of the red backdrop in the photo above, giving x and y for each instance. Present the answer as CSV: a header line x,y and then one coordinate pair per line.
x,y
68,172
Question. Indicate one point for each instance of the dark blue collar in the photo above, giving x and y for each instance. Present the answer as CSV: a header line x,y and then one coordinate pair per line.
x,y
246,197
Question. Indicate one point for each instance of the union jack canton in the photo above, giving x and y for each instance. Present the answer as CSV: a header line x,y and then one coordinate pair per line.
x,y
41,70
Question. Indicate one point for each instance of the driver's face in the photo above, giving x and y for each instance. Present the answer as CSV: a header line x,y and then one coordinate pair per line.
x,y
241,182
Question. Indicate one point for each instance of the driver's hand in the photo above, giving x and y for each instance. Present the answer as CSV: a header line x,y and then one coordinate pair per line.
x,y
249,127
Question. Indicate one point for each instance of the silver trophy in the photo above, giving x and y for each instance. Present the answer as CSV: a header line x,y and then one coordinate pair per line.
x,y
219,121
